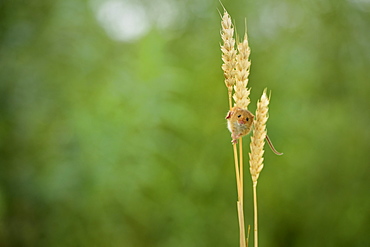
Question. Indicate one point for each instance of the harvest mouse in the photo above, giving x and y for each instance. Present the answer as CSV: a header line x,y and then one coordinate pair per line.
x,y
240,123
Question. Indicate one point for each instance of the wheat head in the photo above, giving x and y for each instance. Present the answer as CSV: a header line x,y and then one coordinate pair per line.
x,y
228,51
258,138
241,95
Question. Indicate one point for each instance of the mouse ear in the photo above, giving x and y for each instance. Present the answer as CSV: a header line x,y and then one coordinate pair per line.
x,y
228,115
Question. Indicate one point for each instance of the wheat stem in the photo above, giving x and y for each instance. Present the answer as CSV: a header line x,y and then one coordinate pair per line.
x,y
241,174
239,202
255,214
236,169
249,230
241,223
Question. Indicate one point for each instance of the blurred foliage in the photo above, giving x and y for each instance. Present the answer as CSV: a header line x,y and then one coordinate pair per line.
x,y
109,139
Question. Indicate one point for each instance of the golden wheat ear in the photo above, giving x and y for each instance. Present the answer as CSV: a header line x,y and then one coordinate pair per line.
x,y
228,53
241,95
272,146
258,138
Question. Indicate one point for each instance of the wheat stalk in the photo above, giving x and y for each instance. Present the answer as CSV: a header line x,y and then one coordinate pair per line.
x,y
229,59
241,98
236,67
256,153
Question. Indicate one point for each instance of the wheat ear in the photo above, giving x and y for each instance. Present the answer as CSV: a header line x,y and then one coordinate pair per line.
x,y
241,95
256,154
228,53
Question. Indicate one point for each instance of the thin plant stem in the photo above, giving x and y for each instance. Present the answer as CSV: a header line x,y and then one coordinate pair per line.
x,y
241,174
255,215
249,230
241,223
236,169
239,203
241,168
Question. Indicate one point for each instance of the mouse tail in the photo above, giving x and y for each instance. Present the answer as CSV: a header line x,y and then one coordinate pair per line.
x,y
272,146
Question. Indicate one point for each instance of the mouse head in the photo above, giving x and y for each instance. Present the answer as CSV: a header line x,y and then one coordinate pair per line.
x,y
242,116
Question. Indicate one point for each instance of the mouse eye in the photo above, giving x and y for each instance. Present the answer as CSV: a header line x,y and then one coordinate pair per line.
x,y
239,115
247,119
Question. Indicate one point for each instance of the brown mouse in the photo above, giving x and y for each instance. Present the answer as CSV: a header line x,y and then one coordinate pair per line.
x,y
239,122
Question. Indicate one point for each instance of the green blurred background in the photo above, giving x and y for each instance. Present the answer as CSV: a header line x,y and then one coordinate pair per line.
x,y
112,126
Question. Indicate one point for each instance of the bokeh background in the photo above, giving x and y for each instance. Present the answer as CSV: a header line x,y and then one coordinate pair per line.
x,y
112,126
